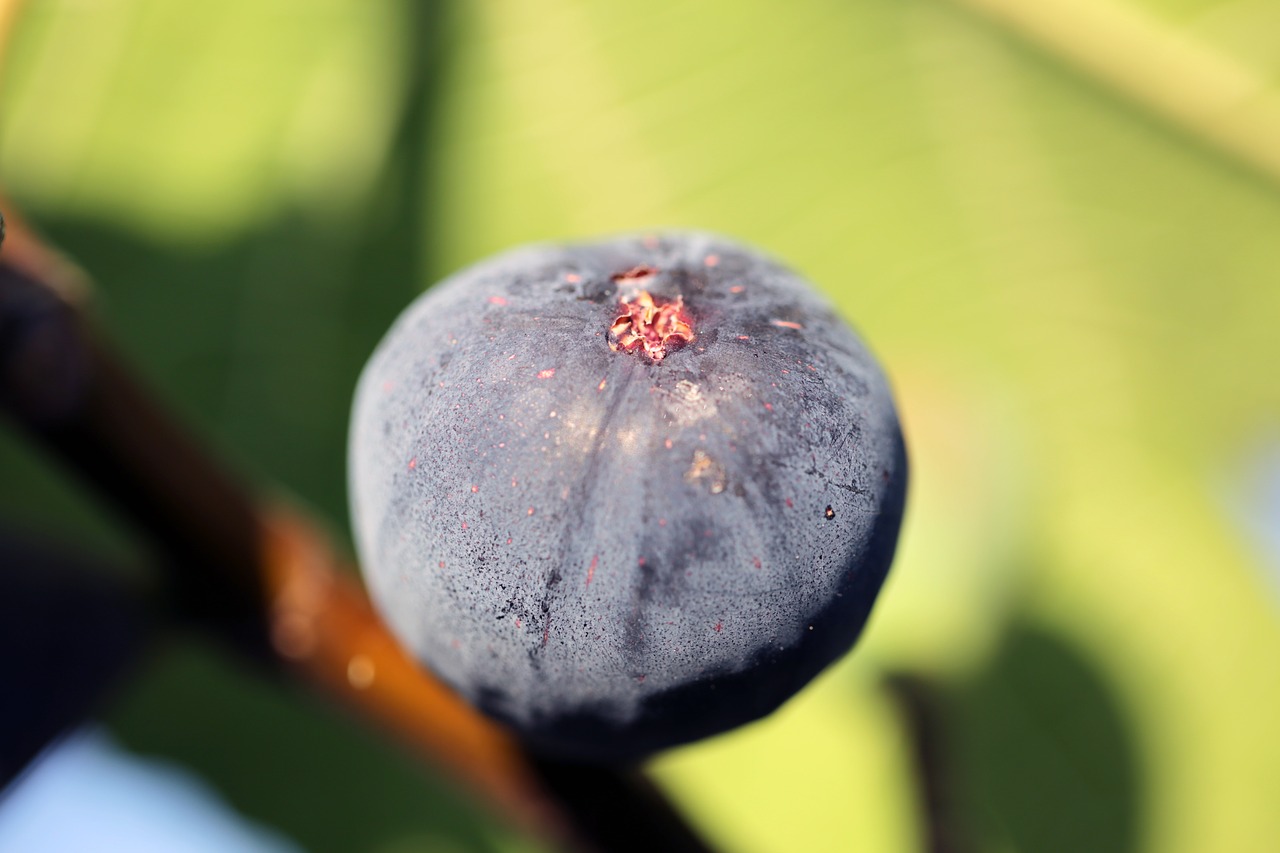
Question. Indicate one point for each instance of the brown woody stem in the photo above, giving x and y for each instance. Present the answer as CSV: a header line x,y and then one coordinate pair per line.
x,y
265,578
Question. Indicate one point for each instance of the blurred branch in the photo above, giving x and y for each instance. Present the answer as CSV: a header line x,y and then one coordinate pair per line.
x,y
35,259
266,579
619,808
75,397
923,720
1206,94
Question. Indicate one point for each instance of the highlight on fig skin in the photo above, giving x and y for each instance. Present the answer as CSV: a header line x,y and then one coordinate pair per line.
x,y
651,326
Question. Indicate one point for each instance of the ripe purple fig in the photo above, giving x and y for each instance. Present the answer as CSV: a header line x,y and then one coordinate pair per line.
x,y
625,495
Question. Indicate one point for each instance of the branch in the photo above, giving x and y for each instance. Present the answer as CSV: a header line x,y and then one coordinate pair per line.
x,y
265,578
923,721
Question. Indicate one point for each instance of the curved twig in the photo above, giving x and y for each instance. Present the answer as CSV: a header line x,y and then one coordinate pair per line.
x,y
266,579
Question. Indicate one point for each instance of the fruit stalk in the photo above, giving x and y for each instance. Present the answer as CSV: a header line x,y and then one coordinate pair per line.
x,y
266,580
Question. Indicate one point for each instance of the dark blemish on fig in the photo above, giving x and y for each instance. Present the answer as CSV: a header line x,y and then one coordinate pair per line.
x,y
600,291
648,578
829,513
685,281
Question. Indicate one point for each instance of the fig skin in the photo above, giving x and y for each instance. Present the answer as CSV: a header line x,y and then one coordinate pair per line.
x,y
613,554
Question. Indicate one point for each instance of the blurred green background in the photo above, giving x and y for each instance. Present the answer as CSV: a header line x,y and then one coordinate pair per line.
x,y
1058,224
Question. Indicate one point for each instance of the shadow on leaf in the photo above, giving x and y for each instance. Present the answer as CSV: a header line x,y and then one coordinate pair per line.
x,y
1032,753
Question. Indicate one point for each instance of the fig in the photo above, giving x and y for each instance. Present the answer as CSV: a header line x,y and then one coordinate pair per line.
x,y
627,494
